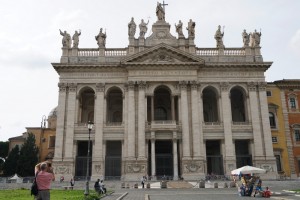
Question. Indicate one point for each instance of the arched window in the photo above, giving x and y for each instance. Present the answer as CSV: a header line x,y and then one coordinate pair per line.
x,y
162,104
114,105
237,105
272,120
86,105
210,105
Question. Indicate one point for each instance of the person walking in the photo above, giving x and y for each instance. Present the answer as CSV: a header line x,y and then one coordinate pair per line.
x,y
43,180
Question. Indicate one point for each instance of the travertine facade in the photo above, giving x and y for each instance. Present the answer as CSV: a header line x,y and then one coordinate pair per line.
x,y
162,106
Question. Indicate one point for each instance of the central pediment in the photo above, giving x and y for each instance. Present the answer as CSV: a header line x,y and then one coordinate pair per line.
x,y
162,54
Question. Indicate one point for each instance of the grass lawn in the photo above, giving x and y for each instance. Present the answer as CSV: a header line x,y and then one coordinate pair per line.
x,y
24,194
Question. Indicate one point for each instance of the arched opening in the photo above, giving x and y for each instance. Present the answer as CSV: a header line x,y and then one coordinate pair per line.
x,y
238,111
115,106
210,105
162,104
86,105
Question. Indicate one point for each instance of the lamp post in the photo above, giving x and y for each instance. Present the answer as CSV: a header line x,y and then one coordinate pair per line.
x,y
86,192
43,126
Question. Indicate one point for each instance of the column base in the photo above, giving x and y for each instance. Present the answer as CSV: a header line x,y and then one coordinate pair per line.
x,y
134,170
193,169
97,170
63,168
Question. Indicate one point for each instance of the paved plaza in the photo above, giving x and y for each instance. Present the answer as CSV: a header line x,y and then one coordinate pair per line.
x,y
280,190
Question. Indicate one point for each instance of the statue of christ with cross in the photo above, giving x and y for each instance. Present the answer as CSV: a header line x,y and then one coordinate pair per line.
x,y
160,11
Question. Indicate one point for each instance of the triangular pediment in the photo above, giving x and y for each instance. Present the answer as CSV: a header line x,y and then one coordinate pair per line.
x,y
162,54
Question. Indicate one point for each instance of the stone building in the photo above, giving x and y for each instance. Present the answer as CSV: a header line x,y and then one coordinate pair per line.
x,y
44,137
281,138
290,90
162,107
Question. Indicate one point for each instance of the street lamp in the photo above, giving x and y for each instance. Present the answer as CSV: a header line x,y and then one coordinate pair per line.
x,y
86,192
43,126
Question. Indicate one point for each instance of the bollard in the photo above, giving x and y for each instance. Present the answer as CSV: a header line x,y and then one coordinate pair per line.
x,y
148,185
136,185
202,184
216,185
123,185
127,186
232,184
225,185
163,184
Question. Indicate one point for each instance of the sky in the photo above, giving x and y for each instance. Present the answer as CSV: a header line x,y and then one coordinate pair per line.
x,y
30,41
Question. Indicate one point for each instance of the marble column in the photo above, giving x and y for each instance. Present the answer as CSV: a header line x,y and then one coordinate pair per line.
x,y
70,122
99,123
185,121
173,107
153,165
131,121
141,120
230,160
60,126
264,110
152,108
254,107
195,120
175,157
125,121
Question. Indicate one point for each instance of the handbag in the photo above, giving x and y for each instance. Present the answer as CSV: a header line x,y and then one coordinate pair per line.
x,y
34,187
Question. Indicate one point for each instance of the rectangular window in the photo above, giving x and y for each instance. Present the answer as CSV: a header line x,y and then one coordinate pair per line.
x,y
274,140
293,102
297,135
269,93
51,141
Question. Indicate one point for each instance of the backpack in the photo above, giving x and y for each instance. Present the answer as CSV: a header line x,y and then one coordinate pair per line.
x,y
34,187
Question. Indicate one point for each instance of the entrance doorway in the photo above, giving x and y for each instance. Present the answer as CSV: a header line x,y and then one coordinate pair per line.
x,y
242,153
214,157
81,159
164,158
113,160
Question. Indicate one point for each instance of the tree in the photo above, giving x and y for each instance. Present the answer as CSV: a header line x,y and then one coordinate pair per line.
x,y
4,149
10,165
3,153
28,157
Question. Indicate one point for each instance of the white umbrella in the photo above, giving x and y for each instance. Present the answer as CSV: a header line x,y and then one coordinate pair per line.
x,y
248,170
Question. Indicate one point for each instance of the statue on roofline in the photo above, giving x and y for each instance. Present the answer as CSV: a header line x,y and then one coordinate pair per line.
x,y
66,40
131,28
219,38
160,12
101,38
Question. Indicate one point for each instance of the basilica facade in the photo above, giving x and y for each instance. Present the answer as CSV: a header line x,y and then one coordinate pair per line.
x,y
162,106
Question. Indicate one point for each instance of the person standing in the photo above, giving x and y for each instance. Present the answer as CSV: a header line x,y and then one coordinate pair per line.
x,y
43,180
143,182
72,182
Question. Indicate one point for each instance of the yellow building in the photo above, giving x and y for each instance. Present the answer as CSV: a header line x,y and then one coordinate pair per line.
x,y
282,145
44,137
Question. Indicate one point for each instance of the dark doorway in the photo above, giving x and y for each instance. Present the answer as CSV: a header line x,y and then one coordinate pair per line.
x,y
164,158
214,157
81,159
242,153
113,160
